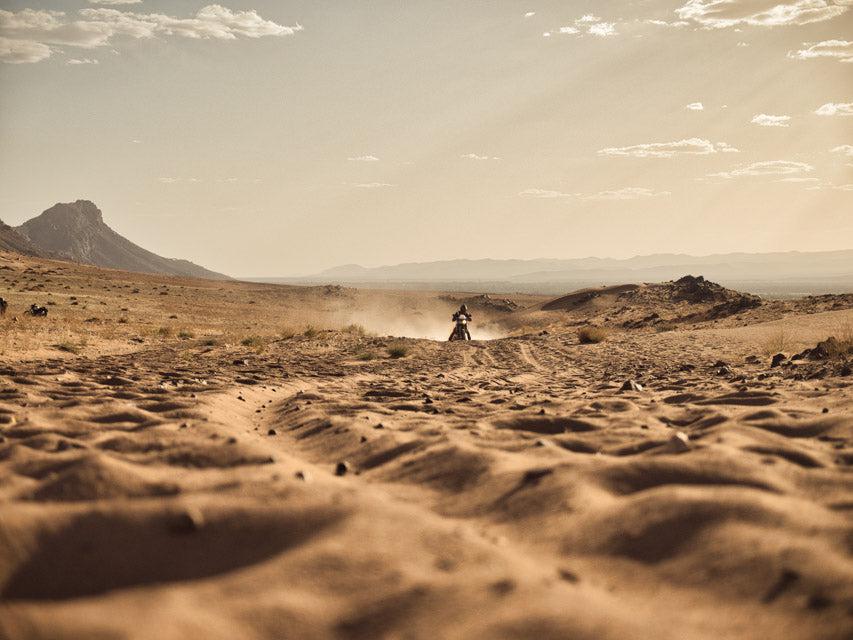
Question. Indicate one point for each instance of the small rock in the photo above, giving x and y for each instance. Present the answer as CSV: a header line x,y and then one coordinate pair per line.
x,y
568,576
680,442
231,440
189,520
302,475
631,385
825,410
342,468
724,371
271,432
720,363
778,359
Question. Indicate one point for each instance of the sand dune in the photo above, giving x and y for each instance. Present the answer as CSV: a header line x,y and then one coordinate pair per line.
x,y
310,485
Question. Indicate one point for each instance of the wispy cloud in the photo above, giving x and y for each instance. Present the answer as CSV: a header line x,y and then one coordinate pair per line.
x,y
719,14
766,168
590,24
626,193
602,29
690,146
114,2
529,14
475,156
841,50
22,51
27,35
366,158
545,193
835,109
844,149
74,61
372,185
695,106
765,120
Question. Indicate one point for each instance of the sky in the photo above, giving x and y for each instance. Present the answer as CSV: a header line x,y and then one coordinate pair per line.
x,y
279,138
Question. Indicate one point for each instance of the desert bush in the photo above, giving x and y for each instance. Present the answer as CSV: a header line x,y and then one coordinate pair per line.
x,y
68,347
365,356
592,335
164,332
776,341
398,350
356,330
310,331
185,334
256,342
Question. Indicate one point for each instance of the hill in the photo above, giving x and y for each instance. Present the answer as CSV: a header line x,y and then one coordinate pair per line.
x,y
76,231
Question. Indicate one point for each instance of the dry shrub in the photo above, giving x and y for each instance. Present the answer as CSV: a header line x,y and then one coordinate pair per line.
x,y
592,335
365,356
776,341
398,350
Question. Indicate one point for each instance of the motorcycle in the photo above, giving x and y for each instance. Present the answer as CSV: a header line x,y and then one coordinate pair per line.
x,y
460,331
36,310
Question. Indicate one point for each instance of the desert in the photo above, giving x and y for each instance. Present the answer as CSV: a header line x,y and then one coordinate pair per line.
x,y
202,458
434,320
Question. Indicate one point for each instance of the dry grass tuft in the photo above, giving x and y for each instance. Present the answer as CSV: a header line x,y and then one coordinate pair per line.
x,y
398,350
776,341
592,335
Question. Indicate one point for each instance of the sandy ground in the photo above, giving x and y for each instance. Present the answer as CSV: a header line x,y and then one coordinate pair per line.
x,y
235,473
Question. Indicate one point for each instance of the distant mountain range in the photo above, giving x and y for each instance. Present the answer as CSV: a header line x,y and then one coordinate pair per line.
x,y
812,271
76,231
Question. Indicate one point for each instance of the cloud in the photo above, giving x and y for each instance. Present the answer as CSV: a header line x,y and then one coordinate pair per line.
x,y
544,193
840,49
764,120
74,61
590,24
719,14
22,51
474,156
372,185
529,14
628,193
766,168
695,106
363,159
664,23
844,149
97,27
169,180
835,109
602,29
691,146
113,2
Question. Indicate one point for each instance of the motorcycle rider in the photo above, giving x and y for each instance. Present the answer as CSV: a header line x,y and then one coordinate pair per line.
x,y
459,315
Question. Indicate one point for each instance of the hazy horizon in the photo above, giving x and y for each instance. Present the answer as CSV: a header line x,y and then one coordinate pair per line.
x,y
282,138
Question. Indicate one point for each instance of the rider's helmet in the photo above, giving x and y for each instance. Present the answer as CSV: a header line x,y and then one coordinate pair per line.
x,y
464,308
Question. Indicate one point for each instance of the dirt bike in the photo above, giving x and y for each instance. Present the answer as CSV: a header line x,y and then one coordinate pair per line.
x,y
36,310
460,331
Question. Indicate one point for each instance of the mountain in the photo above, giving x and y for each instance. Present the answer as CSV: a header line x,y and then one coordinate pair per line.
x,y
732,266
11,240
77,231
780,273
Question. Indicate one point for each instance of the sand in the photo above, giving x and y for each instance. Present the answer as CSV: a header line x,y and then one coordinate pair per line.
x,y
242,475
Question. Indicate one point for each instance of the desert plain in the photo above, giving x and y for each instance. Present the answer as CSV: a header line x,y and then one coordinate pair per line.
x,y
184,458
